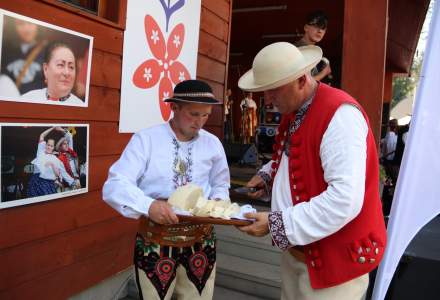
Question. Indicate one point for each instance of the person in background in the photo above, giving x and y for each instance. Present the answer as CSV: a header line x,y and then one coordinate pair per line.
x,y
228,126
157,161
248,118
59,72
314,31
22,56
390,142
326,211
68,156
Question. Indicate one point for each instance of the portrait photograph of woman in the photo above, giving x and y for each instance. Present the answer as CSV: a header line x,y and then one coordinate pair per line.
x,y
43,63
42,162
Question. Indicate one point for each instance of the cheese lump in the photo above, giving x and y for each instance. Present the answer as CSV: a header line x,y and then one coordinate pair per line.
x,y
185,197
190,198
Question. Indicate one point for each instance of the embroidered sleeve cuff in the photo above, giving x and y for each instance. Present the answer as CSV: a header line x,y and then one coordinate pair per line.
x,y
277,230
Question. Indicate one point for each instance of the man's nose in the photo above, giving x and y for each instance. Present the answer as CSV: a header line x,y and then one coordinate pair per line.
x,y
198,121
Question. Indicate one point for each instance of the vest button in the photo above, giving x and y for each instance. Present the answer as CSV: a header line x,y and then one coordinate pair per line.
x,y
376,251
297,198
312,263
361,260
372,260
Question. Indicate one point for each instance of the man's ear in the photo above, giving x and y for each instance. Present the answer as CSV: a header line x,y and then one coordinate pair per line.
x,y
306,27
302,81
174,106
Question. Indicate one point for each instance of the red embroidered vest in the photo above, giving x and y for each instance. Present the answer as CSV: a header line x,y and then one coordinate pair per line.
x,y
358,247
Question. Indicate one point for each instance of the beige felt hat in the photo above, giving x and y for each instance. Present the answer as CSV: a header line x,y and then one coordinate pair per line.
x,y
278,64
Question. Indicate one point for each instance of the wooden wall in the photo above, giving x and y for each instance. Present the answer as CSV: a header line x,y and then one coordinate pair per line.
x,y
364,49
54,249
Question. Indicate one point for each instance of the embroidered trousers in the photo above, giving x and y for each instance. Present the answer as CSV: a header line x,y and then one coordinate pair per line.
x,y
182,288
295,284
164,271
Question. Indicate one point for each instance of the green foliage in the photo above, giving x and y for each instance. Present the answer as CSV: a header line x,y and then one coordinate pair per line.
x,y
403,86
382,174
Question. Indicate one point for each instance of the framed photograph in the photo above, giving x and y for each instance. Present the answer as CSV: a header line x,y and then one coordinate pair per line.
x,y
42,162
43,63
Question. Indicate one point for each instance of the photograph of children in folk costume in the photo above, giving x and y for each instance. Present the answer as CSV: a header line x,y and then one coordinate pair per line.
x,y
42,162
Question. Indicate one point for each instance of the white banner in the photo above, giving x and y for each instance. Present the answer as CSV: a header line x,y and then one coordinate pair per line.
x,y
417,197
160,50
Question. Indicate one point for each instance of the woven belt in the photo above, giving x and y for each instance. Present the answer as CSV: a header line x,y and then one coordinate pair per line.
x,y
184,234
298,253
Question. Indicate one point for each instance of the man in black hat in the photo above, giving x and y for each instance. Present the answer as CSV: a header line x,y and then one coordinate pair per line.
x,y
170,256
314,31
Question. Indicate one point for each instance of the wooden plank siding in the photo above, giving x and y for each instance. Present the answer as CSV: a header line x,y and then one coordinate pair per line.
x,y
364,78
55,249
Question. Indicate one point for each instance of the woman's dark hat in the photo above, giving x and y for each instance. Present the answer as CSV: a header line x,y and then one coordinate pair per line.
x,y
193,91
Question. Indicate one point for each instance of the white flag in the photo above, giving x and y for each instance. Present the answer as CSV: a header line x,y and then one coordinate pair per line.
x,y
417,197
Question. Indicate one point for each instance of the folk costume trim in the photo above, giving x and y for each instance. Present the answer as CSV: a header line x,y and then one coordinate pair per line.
x,y
293,126
201,94
182,168
277,230
160,263
64,98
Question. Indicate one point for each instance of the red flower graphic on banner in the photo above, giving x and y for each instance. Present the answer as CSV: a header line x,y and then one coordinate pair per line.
x,y
164,66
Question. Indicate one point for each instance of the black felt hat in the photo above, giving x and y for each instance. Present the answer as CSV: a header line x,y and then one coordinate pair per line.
x,y
193,91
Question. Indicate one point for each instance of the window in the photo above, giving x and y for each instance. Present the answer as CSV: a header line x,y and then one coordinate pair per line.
x,y
107,9
88,5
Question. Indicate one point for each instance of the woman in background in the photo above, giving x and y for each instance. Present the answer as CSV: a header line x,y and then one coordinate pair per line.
x,y
59,69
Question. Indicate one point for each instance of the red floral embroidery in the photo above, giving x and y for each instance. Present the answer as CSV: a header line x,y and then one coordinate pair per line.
x,y
164,66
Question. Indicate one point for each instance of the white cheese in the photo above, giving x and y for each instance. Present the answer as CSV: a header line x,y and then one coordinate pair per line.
x,y
185,197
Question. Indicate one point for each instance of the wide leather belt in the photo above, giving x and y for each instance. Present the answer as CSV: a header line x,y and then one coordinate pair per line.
x,y
184,234
298,253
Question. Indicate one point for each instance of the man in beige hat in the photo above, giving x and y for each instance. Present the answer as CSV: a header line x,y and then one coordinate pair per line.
x,y
326,211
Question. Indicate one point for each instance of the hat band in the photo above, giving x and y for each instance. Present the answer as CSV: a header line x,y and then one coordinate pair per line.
x,y
194,95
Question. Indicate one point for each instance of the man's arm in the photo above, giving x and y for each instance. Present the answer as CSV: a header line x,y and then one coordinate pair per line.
x,y
120,190
260,181
219,177
69,138
323,73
